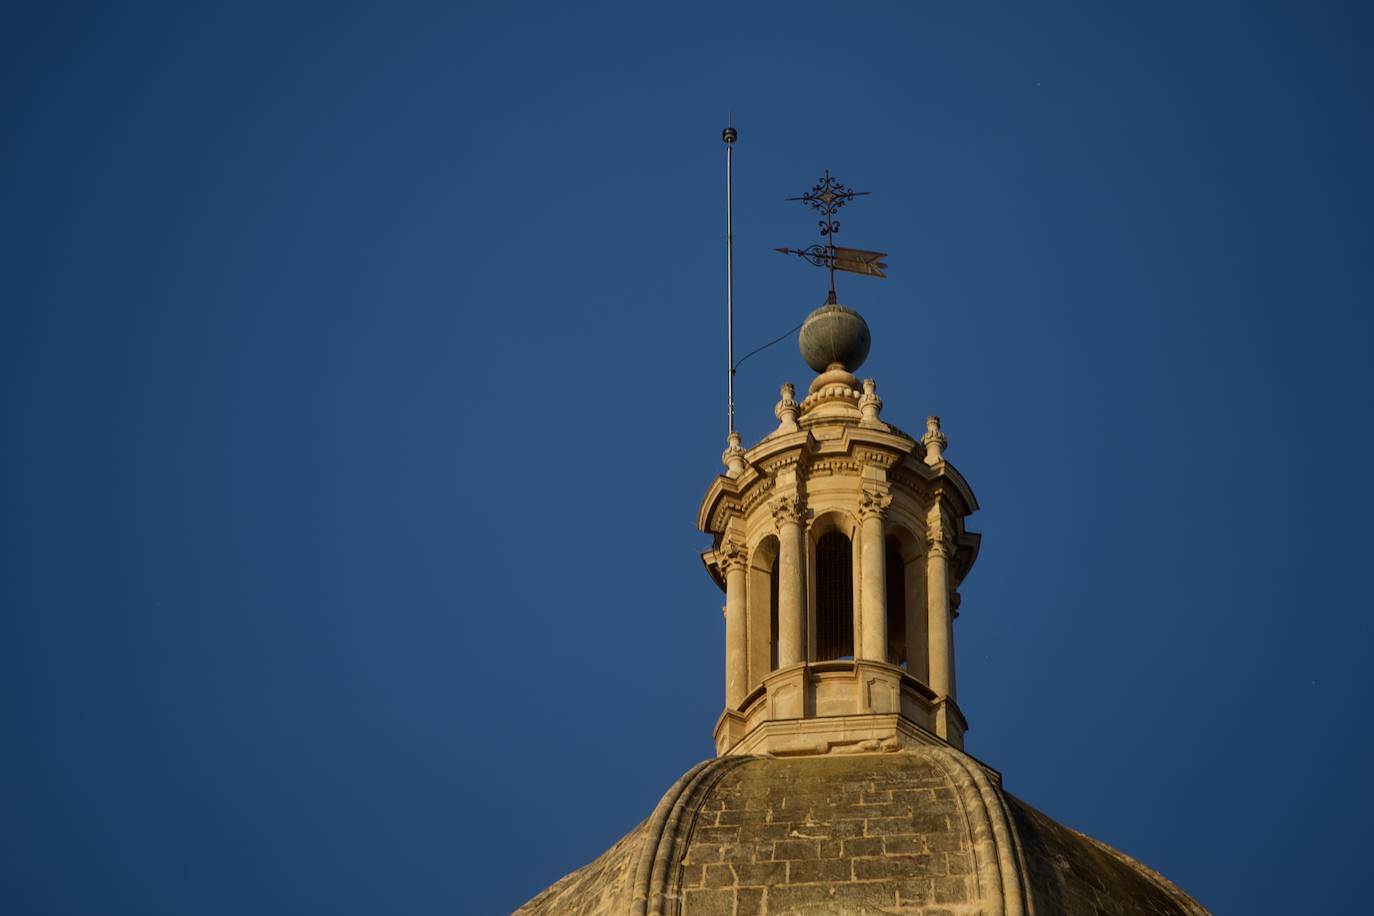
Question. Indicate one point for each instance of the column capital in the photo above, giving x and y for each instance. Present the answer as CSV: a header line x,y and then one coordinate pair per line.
x,y
788,510
731,555
873,502
939,539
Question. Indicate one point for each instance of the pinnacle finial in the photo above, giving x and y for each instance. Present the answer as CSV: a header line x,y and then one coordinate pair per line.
x,y
870,405
934,441
733,456
787,410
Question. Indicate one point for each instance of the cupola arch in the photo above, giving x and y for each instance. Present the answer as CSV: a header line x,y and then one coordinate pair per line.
x,y
762,599
905,567
832,585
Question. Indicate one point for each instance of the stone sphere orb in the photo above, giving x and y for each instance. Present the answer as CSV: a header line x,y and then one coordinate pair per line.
x,y
834,334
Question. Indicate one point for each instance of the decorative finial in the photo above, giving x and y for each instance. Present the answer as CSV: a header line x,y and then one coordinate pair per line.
x,y
733,456
826,197
787,410
834,335
934,441
870,405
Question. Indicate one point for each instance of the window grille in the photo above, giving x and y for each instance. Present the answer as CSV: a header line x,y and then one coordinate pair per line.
x,y
834,597
773,616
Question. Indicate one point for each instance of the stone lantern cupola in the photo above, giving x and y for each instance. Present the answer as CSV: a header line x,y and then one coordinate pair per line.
x,y
840,784
839,541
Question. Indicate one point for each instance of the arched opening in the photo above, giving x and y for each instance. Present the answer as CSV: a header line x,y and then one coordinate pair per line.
x,y
834,597
896,602
763,610
773,618
904,565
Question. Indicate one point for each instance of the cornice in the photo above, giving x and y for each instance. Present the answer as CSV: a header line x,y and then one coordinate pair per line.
x,y
727,496
708,560
837,465
966,547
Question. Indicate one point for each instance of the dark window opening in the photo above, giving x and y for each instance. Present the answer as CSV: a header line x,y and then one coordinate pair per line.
x,y
773,617
896,603
834,597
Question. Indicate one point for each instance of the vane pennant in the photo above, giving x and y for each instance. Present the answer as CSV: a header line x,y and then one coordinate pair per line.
x,y
858,261
854,260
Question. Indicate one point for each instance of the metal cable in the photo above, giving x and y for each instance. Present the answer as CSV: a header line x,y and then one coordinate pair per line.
x,y
765,347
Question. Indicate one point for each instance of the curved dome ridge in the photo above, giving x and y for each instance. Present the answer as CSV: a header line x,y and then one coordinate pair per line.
x,y
670,829
990,832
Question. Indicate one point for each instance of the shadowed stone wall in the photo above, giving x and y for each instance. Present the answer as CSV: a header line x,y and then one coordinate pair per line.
x,y
598,888
1072,873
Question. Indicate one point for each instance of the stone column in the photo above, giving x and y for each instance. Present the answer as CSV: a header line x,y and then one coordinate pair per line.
x,y
939,619
787,515
873,575
732,561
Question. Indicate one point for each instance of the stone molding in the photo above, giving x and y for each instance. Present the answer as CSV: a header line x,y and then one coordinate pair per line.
x,y
658,870
850,705
877,459
842,449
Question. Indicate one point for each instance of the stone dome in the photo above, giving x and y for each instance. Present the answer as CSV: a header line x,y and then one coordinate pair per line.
x,y
925,830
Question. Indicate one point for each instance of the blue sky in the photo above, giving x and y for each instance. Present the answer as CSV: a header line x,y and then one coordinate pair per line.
x,y
363,369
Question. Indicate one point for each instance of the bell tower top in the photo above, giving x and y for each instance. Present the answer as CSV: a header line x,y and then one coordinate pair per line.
x,y
839,541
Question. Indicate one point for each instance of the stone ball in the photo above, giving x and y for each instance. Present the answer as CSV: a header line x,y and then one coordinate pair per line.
x,y
834,334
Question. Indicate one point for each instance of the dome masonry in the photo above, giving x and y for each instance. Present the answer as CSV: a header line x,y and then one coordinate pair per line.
x,y
834,334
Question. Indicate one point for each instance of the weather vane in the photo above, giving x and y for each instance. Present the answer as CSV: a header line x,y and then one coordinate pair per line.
x,y
826,197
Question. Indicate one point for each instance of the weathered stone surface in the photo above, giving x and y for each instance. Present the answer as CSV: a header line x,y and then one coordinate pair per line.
x,y
1072,873
924,832
594,889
